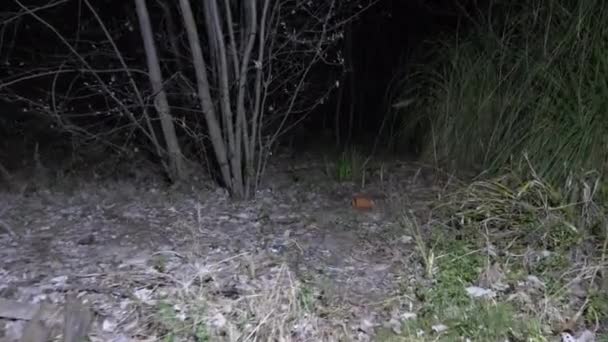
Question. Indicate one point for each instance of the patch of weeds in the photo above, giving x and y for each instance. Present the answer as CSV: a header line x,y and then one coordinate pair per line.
x,y
549,268
306,298
173,325
463,260
446,301
505,219
159,263
344,169
350,166
458,266
485,321
562,236
597,308
427,253
475,321
520,212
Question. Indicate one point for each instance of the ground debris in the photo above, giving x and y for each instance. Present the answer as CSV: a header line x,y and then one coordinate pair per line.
x,y
44,319
126,250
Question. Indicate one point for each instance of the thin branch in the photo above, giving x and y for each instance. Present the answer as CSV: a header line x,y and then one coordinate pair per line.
x,y
37,9
150,134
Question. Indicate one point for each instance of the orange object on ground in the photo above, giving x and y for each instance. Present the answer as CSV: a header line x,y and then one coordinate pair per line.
x,y
362,202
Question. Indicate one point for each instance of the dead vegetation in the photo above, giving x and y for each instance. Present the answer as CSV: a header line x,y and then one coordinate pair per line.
x,y
486,261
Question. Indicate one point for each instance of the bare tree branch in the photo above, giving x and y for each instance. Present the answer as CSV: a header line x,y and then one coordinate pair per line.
x,y
160,101
204,92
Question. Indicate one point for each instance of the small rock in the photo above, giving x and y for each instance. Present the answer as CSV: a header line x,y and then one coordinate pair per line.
x,y
405,239
145,295
108,325
395,326
408,315
586,336
218,320
545,254
535,282
60,280
439,328
480,292
367,325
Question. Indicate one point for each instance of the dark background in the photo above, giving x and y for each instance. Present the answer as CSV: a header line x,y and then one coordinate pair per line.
x,y
378,48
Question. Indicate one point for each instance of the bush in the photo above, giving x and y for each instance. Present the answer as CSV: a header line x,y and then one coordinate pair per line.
x,y
529,79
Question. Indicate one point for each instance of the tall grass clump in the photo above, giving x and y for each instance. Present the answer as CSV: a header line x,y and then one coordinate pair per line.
x,y
528,77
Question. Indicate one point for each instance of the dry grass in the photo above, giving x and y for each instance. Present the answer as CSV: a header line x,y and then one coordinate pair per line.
x,y
243,298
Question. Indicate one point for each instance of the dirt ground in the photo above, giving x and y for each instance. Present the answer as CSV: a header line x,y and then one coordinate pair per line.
x,y
122,245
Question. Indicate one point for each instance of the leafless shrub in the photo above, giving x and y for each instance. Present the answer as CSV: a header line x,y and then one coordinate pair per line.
x,y
253,70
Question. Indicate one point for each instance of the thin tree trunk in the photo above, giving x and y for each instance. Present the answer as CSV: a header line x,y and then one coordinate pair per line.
x,y
216,37
176,163
231,37
259,98
337,115
204,93
171,33
242,129
351,83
